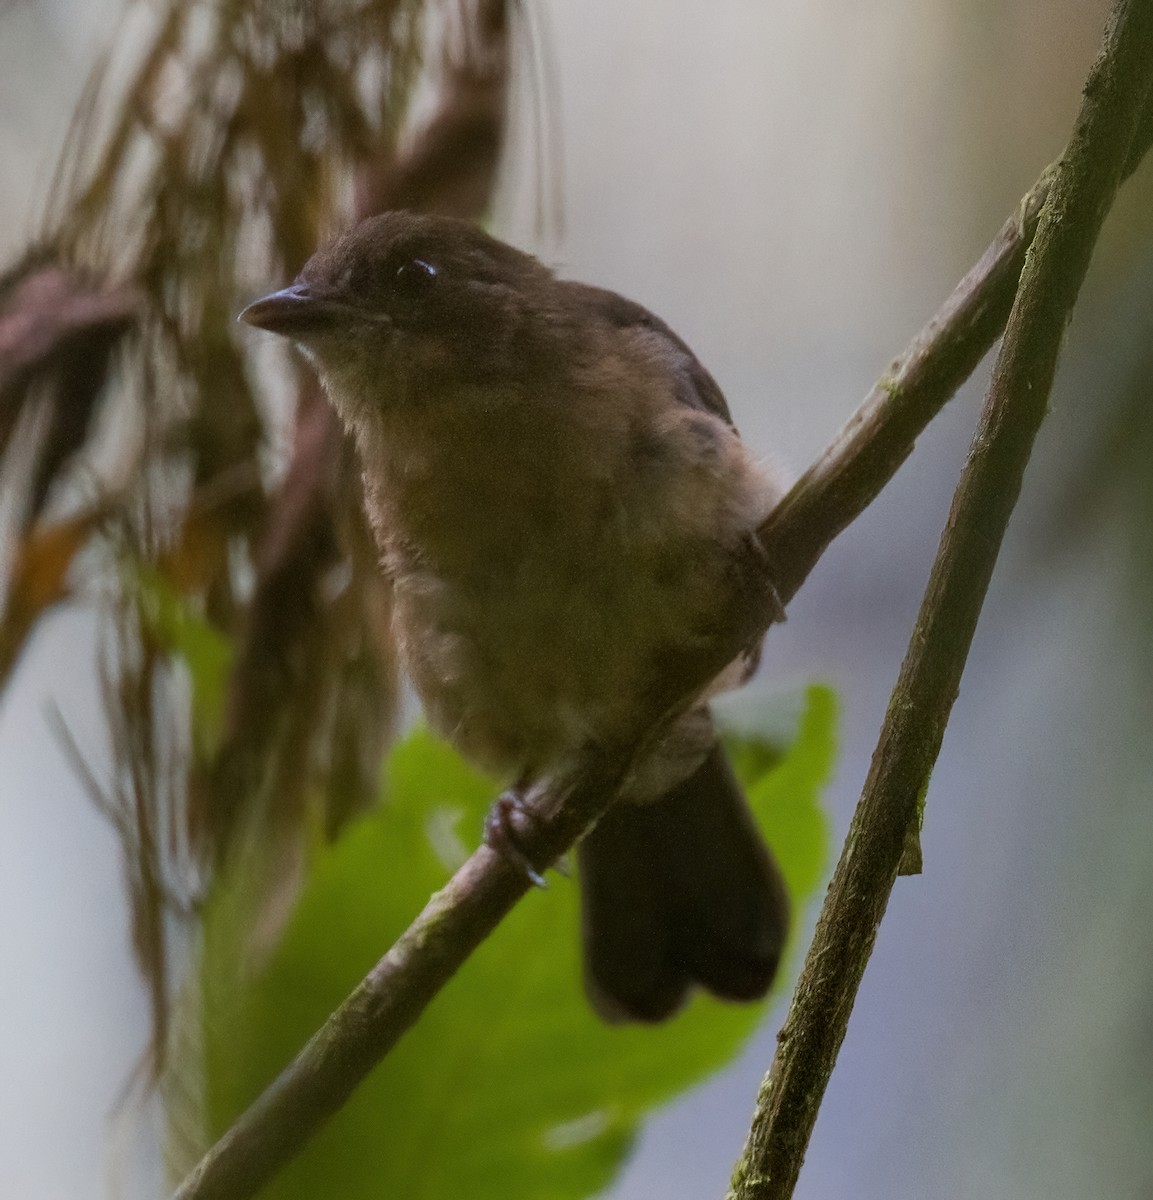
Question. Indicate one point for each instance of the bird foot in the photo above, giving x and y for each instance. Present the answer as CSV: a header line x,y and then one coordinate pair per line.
x,y
509,822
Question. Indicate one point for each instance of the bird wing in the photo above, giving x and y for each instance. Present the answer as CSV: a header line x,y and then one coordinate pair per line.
x,y
696,388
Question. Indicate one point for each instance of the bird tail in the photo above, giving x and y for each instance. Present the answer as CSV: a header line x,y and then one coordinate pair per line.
x,y
676,892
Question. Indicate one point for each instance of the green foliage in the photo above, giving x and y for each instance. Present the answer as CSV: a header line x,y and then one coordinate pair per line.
x,y
784,788
186,635
508,1086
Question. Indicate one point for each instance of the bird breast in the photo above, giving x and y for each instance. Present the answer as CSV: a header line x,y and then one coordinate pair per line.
x,y
546,570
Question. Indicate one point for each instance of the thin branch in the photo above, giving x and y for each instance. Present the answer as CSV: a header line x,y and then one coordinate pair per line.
x,y
1082,190
827,498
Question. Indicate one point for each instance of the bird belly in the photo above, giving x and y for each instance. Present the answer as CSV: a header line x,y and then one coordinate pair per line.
x,y
522,670
546,599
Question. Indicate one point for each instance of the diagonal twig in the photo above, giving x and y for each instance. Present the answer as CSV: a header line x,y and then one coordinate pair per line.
x,y
1081,193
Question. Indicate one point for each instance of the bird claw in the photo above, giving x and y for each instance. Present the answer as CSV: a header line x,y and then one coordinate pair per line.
x,y
776,604
504,829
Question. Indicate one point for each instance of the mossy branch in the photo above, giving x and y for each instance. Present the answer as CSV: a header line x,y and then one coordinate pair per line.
x,y
1081,191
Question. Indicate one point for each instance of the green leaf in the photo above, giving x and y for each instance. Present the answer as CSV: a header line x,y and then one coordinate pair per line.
x,y
508,1086
786,795
184,633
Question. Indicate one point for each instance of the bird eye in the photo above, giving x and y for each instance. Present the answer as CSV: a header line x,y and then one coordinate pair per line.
x,y
415,278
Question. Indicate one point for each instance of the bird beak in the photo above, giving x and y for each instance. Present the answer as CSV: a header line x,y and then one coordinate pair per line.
x,y
294,312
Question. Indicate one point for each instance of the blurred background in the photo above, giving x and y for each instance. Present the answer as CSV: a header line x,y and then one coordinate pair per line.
x,y
794,188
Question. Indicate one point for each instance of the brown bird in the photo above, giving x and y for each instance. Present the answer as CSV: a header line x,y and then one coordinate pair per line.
x,y
566,514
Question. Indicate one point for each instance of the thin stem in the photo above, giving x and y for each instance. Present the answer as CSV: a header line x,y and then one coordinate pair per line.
x,y
1082,190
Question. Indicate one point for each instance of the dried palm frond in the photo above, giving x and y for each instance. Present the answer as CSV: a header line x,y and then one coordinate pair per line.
x,y
250,677
59,330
